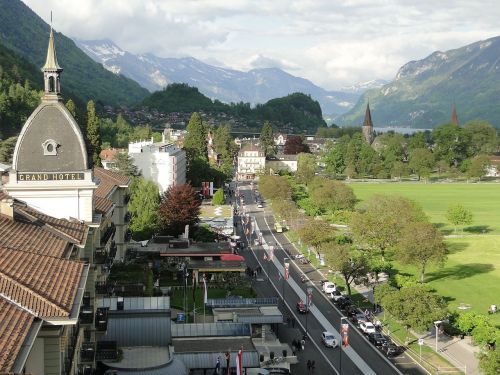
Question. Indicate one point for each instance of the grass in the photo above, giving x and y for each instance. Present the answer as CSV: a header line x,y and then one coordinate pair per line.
x,y
483,199
209,211
471,275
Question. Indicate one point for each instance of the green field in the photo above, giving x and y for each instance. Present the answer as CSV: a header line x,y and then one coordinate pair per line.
x,y
471,275
482,199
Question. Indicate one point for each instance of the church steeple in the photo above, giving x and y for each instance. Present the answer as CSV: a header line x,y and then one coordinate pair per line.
x,y
368,125
51,72
454,117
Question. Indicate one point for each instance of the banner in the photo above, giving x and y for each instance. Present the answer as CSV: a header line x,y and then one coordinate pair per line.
x,y
239,362
227,355
271,253
287,270
344,333
205,292
309,297
217,366
194,286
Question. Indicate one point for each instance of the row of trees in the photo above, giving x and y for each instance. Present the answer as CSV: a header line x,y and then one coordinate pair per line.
x,y
448,149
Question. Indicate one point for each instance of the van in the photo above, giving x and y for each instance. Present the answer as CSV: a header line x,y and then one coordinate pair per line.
x,y
278,228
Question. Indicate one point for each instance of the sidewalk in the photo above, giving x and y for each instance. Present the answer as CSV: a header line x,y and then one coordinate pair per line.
x,y
457,351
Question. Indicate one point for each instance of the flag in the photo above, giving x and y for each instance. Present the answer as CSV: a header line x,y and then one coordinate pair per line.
x,y
217,366
205,294
309,297
287,271
344,333
227,355
239,362
265,256
194,287
271,253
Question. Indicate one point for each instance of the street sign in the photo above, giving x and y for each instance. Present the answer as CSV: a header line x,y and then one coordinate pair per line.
x,y
420,342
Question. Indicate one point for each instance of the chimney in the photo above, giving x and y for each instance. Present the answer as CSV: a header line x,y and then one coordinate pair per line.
x,y
7,207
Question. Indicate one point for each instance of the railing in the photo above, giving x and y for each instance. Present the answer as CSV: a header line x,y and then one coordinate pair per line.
x,y
231,302
101,319
106,350
86,314
126,217
108,234
87,352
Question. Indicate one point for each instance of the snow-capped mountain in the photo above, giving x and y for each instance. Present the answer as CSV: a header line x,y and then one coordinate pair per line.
x,y
360,88
227,85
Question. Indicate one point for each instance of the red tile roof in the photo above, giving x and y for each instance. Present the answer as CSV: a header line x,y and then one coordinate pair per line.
x,y
15,324
108,180
103,205
45,285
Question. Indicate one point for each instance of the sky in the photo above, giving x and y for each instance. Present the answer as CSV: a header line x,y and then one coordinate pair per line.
x,y
333,43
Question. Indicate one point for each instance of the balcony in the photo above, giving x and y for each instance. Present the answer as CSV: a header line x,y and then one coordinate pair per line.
x,y
87,352
106,351
126,218
86,370
101,319
107,235
86,314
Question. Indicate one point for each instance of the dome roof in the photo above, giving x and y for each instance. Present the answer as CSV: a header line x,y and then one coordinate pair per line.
x,y
50,141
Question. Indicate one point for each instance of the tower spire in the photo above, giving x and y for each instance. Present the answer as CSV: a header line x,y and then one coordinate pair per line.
x,y
454,117
368,125
51,70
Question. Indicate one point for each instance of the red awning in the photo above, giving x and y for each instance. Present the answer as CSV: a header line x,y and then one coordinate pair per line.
x,y
231,257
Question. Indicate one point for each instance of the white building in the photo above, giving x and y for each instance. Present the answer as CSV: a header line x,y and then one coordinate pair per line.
x,y
251,161
162,162
282,163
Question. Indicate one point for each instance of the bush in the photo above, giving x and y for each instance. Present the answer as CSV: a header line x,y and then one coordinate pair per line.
x,y
203,233
218,197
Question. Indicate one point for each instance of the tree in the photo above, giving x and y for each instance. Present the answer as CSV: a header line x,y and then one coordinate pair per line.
x,y
226,149
414,306
399,169
330,195
478,166
421,162
70,105
7,149
195,144
489,360
124,164
143,208
316,233
179,207
275,187
420,244
218,197
306,167
351,263
379,225
449,144
93,134
334,156
459,215
294,145
267,139
480,138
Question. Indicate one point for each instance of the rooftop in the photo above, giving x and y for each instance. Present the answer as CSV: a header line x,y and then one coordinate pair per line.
x,y
108,180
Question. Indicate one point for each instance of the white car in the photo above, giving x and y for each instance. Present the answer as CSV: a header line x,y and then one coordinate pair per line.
x,y
335,295
367,327
329,287
329,340
260,205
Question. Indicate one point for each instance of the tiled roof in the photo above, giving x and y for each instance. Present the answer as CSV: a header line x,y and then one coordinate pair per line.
x,y
15,324
110,153
108,180
20,235
45,285
103,205
73,231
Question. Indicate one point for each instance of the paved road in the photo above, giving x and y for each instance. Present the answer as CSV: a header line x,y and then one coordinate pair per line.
x,y
360,357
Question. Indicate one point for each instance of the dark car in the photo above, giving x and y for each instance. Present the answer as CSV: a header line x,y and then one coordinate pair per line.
x,y
351,311
343,302
377,339
301,307
359,318
389,349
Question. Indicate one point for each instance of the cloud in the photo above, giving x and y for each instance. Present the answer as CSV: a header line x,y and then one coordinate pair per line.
x,y
332,43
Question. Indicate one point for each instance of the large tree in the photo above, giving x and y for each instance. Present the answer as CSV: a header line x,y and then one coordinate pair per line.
x,y
93,134
226,149
7,149
330,195
344,258
450,144
420,244
480,138
124,164
421,162
267,139
458,215
275,187
179,207
295,145
334,156
195,144
478,166
316,233
379,223
306,167
143,208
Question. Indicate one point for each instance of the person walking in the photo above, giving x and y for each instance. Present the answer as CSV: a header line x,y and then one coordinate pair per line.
x,y
308,366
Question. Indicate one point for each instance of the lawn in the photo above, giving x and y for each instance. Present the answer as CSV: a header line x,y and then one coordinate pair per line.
x,y
471,275
208,211
483,199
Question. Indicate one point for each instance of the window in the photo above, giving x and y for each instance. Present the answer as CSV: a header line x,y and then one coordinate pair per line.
x,y
49,147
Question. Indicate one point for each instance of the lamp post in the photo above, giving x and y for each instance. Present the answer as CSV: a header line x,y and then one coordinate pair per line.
x,y
308,302
436,326
342,332
286,265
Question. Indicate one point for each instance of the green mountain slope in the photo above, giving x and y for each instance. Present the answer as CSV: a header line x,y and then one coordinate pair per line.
x,y
22,31
295,111
424,91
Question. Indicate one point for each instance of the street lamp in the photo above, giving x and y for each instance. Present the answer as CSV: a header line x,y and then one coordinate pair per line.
x,y
308,303
436,326
343,331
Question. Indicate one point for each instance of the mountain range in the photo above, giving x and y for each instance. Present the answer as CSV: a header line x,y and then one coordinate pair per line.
x,y
26,34
227,85
423,92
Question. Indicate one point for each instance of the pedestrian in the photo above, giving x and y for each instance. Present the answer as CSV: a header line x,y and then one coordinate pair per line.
x,y
303,344
293,322
308,365
313,365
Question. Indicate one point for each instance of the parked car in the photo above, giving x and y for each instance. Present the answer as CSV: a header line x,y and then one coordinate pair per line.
x,y
343,302
303,260
359,318
336,295
367,327
260,205
377,339
351,311
329,287
329,340
390,349
301,307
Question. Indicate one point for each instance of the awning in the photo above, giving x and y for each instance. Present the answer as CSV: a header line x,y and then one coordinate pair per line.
x,y
231,257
